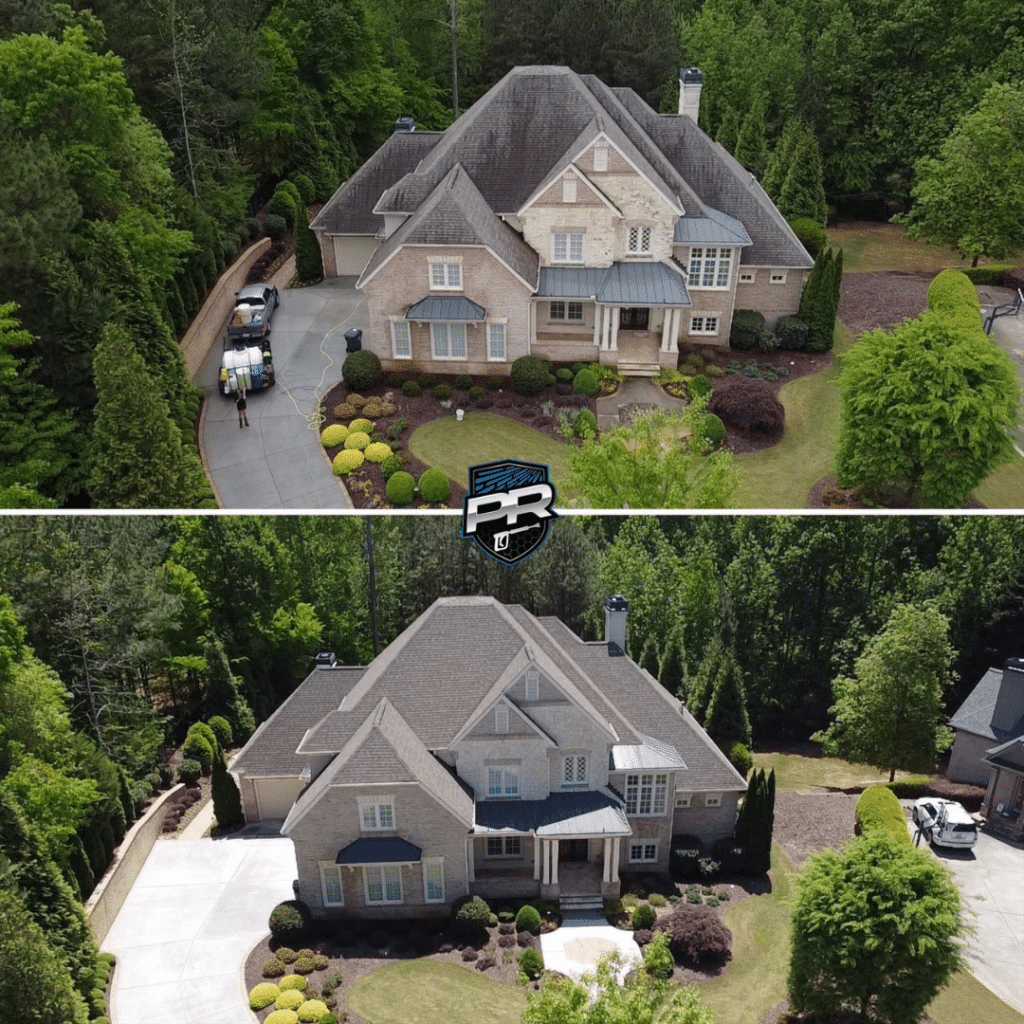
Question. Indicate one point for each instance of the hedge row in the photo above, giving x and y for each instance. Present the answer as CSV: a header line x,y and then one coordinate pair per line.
x,y
877,808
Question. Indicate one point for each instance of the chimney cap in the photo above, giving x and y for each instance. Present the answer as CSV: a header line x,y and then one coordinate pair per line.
x,y
326,659
691,76
405,123
616,603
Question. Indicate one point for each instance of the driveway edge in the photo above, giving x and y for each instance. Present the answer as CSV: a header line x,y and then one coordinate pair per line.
x,y
253,1019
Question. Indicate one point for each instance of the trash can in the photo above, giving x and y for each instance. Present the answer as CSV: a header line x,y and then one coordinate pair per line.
x,y
353,339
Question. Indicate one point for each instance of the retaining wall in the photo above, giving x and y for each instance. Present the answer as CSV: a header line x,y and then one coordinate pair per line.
x,y
210,319
109,895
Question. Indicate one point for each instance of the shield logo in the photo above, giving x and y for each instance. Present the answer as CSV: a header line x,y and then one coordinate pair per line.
x,y
508,510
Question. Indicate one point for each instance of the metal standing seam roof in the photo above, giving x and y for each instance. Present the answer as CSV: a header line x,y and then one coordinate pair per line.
x,y
570,282
383,850
715,227
593,812
447,307
650,753
623,284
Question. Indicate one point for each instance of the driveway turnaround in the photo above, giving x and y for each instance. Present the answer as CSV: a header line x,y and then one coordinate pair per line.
x,y
277,462
195,911
576,947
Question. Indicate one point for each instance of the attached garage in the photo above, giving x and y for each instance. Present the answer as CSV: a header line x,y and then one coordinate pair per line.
x,y
352,253
274,797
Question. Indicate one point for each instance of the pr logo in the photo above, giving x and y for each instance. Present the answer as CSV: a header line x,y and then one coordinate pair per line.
x,y
508,510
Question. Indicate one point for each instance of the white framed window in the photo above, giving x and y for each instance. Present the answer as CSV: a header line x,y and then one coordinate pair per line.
x,y
383,883
704,325
574,770
566,310
377,813
709,267
446,276
496,342
569,188
646,794
683,799
448,341
777,277
504,846
503,781
532,684
433,879
643,853
639,239
567,247
600,158
712,799
330,884
748,276
501,718
401,342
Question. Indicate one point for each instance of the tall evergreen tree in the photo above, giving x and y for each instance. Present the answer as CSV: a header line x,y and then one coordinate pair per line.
x,y
222,696
819,302
726,718
756,821
751,145
781,157
227,801
802,193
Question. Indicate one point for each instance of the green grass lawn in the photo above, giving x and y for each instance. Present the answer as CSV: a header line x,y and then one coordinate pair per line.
x,y
484,437
430,992
794,771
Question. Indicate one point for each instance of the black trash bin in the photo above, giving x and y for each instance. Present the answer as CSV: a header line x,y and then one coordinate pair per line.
x,y
353,339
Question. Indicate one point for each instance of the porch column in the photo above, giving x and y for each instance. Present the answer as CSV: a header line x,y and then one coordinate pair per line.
x,y
470,860
554,862
606,327
986,805
598,315
545,848
614,341
673,337
606,875
538,849
615,858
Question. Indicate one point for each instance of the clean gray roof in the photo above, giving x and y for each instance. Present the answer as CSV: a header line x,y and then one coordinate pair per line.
x,y
975,714
594,812
446,307
716,227
1007,755
643,284
650,753
271,749
383,850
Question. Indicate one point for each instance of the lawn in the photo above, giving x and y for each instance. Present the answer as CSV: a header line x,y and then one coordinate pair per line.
x,y
483,437
795,771
429,992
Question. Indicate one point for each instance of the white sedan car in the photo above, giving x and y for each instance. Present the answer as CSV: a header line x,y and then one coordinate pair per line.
x,y
945,823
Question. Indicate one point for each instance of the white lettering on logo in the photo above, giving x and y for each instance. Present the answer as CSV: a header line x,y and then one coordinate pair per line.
x,y
509,505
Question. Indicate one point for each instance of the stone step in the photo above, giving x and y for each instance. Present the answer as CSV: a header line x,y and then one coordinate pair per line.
x,y
581,902
637,369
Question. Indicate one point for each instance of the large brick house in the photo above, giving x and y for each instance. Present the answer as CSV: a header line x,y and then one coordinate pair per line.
x,y
484,751
563,218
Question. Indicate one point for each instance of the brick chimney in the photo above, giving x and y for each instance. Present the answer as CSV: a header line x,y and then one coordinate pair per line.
x,y
691,81
615,608
1009,707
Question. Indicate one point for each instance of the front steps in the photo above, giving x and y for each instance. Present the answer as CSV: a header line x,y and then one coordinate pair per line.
x,y
635,368
574,903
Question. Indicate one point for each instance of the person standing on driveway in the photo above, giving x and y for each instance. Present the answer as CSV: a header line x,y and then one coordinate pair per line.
x,y
243,419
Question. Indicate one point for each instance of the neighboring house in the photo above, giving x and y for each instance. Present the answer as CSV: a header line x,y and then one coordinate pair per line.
x,y
484,751
989,745
563,218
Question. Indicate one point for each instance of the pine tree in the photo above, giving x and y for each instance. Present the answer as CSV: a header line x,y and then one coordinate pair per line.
x,y
308,260
778,163
756,822
819,302
728,129
222,696
726,718
137,455
751,145
227,801
802,193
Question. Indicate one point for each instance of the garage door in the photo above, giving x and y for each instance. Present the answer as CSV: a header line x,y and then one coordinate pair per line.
x,y
353,252
276,796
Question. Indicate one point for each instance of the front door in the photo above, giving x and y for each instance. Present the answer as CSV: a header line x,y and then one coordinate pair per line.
x,y
634,318
572,849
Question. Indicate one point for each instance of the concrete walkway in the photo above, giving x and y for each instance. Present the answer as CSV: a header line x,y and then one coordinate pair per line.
x,y
634,391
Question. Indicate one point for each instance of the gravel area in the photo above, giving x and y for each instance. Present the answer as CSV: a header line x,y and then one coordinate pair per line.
x,y
881,299
808,822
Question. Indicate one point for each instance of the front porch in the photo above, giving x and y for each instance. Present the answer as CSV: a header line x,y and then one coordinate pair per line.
x,y
1003,806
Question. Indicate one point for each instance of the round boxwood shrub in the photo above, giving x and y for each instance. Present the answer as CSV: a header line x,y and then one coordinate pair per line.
x,y
714,429
274,226
563,373
739,757
528,919
189,771
361,426
475,391
197,748
530,374
472,916
585,424
289,1000
531,963
333,435
644,916
288,920
202,729
879,808
222,730
377,452
356,401
345,411
294,981
357,440
585,383
304,965
699,386
463,382
361,370
274,968
287,955
411,389
311,1011
747,327
347,460
262,995
442,392
283,1017
390,466
435,485
401,488
395,380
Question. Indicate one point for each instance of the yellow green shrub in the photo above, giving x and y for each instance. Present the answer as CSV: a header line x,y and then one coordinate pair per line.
x,y
377,452
357,440
311,1011
334,434
294,982
878,808
263,995
289,1000
347,460
362,425
283,1017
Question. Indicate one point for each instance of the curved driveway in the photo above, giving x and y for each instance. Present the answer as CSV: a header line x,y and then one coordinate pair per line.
x,y
195,911
277,462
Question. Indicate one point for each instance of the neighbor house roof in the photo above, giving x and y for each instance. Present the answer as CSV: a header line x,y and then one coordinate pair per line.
x,y
975,714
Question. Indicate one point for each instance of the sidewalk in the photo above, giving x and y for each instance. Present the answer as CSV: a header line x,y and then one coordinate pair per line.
x,y
638,391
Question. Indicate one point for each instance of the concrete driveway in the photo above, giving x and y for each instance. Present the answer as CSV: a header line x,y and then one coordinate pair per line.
x,y
990,878
1008,333
277,462
194,913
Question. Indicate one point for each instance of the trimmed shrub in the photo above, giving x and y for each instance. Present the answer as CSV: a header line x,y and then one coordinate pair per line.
x,y
879,808
531,963
748,404
475,391
740,758
486,963
283,1017
529,375
361,370
391,465
435,485
657,899
585,424
811,234
644,916
714,371
469,955
401,488
472,916
189,771
274,226
714,429
463,382
347,460
361,426
395,380
499,383
747,325
697,936
289,1000
305,965
658,960
262,995
202,729
320,961
564,374
295,982
585,383
377,452
442,392
274,968
699,386
992,274
792,333
411,389
305,187
345,411
288,920
357,440
222,730
312,1010
528,919
286,955
335,434
197,748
